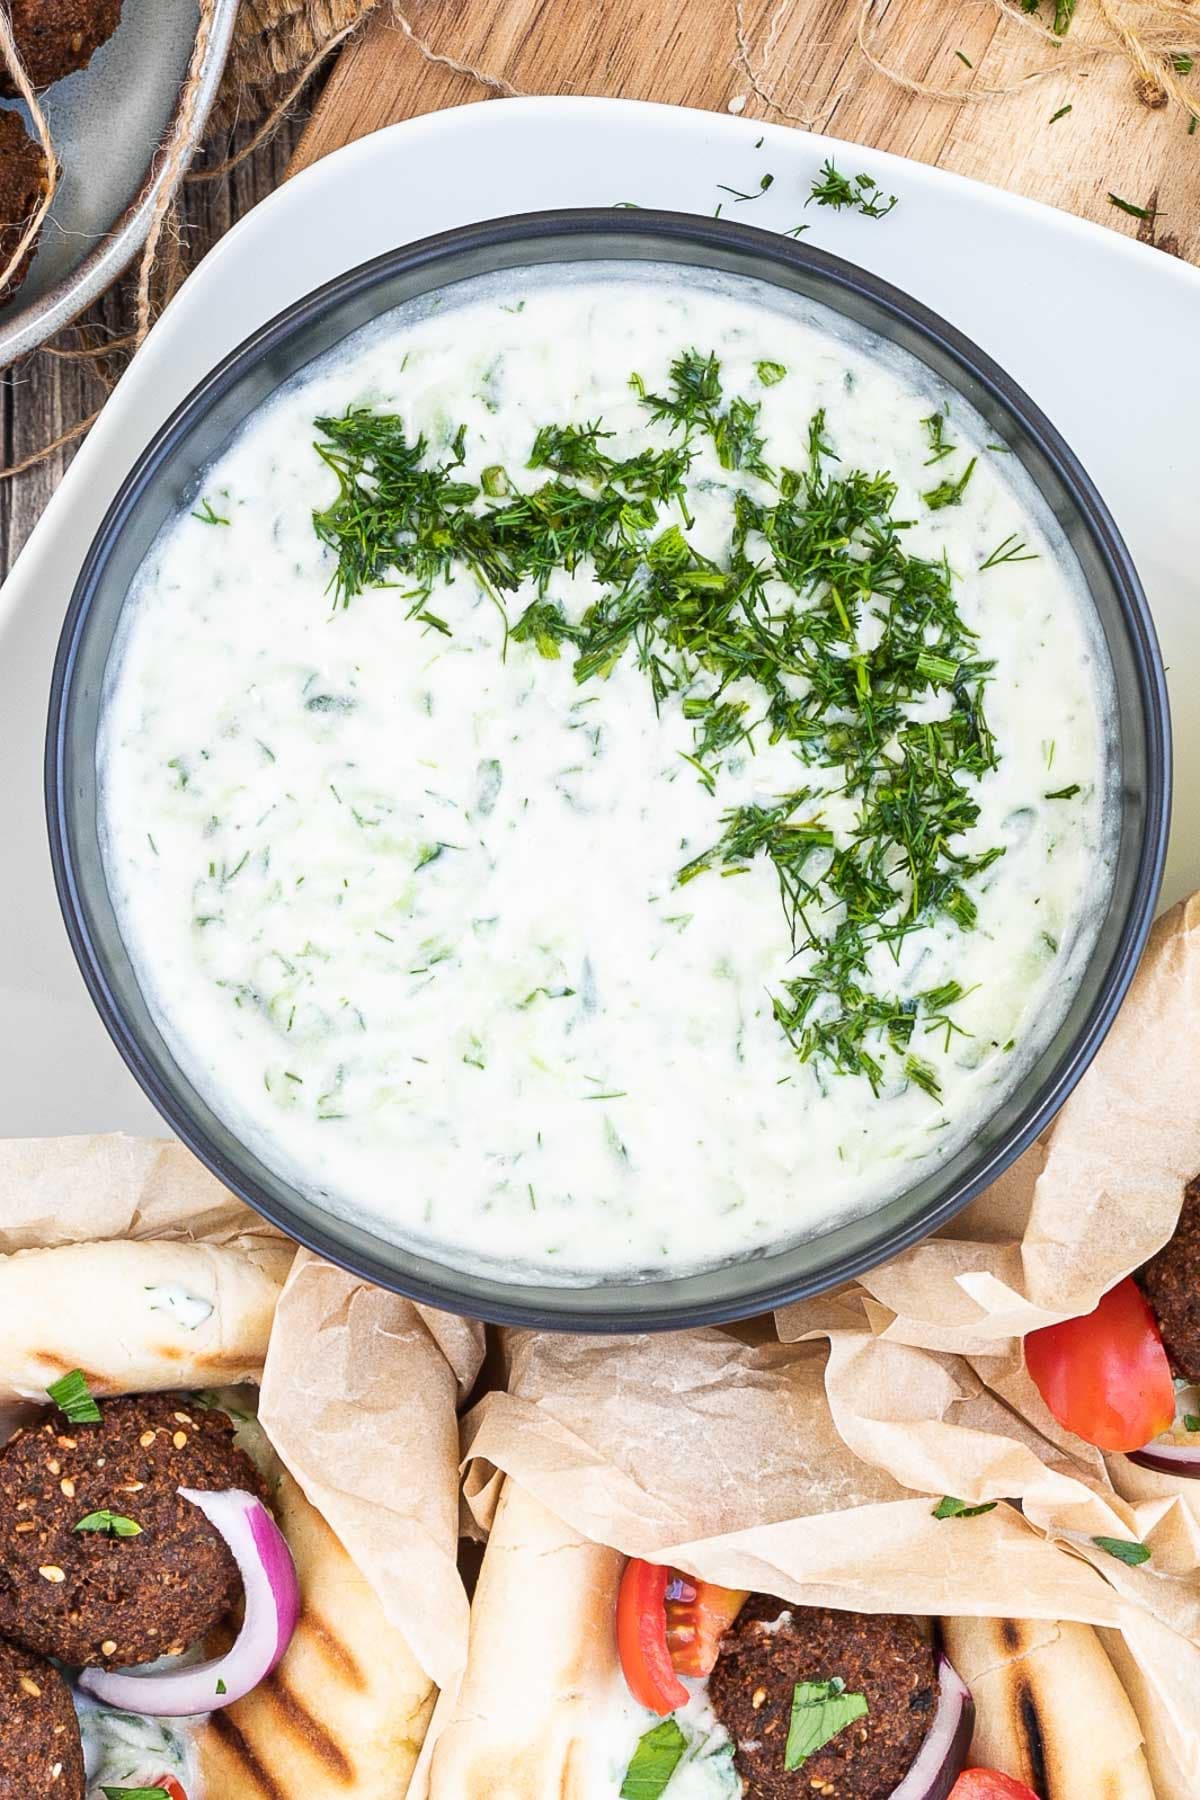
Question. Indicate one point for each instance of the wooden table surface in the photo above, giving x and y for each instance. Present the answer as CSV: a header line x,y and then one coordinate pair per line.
x,y
789,61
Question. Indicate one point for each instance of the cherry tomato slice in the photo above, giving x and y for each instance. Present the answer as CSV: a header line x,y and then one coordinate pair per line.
x,y
699,1613
989,1784
642,1638
173,1789
1106,1376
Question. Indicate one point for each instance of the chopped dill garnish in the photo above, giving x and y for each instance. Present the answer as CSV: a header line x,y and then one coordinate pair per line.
x,y
1060,114
766,182
1135,212
862,192
1010,550
207,516
1066,793
713,637
949,493
939,444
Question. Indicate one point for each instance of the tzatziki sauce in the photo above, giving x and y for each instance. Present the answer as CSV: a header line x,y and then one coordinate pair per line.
x,y
546,929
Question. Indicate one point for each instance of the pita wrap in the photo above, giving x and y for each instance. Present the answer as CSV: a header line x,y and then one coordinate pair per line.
x,y
345,1712
542,1656
535,1710
137,1316
1049,1708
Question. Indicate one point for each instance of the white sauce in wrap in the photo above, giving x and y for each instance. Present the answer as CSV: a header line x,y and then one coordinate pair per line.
x,y
406,908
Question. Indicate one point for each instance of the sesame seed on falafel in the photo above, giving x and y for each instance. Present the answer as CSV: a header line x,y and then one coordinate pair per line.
x,y
40,1749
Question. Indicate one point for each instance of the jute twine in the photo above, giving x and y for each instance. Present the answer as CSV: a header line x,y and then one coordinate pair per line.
x,y
1160,39
279,45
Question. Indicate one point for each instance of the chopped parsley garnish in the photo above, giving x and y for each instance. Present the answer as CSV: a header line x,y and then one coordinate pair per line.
x,y
862,192
1126,1550
714,636
658,1754
820,1710
110,1523
221,1688
72,1395
950,1508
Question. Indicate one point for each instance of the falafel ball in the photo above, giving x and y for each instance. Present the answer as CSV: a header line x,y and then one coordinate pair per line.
x,y
1171,1283
882,1656
94,1596
40,1750
56,37
23,178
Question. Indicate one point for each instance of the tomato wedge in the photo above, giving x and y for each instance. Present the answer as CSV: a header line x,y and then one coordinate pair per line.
x,y
173,1789
989,1784
699,1613
642,1637
669,1625
1106,1376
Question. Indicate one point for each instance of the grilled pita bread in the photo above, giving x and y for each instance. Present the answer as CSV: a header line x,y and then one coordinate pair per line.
x,y
136,1316
1049,1708
345,1712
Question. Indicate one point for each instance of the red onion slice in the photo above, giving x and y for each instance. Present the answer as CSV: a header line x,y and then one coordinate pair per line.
x,y
941,1757
272,1608
1169,1459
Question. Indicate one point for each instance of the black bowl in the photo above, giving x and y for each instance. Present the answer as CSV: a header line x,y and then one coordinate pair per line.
x,y
166,474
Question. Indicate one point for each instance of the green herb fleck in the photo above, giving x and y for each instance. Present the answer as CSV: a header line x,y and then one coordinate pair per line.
x,y
1191,1421
770,373
1060,114
658,1754
964,58
1127,206
207,516
820,1710
1011,549
765,182
72,1395
949,493
950,1508
1125,1550
1063,793
110,1523
221,1688
862,192
135,1793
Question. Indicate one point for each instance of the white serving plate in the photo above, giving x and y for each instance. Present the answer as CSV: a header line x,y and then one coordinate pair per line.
x,y
1101,330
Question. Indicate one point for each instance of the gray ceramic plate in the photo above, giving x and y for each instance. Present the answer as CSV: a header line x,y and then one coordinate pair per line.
x,y
107,123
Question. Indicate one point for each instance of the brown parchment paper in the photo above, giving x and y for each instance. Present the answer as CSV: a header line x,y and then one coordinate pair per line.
x,y
780,1467
76,1190
1087,1204
360,1389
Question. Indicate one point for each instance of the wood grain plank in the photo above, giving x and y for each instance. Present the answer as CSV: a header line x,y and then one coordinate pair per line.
x,y
798,61
41,396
